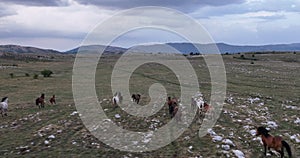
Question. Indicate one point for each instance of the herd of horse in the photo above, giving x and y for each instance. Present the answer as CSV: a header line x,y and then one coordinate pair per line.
x,y
275,142
40,101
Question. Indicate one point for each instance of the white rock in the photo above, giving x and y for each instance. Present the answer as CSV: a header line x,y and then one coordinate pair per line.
x,y
190,147
146,140
51,137
252,132
272,124
217,138
238,153
297,121
74,113
225,147
117,116
228,142
261,104
211,132
46,142
295,137
252,100
187,138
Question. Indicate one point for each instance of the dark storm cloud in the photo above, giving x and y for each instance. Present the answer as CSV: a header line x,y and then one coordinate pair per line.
x,y
33,2
183,5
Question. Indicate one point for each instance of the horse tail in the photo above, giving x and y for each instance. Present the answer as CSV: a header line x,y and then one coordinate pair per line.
x,y
287,147
115,101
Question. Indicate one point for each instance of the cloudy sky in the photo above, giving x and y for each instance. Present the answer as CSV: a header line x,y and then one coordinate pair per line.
x,y
63,24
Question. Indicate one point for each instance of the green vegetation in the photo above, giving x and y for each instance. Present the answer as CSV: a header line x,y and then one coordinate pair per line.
x,y
46,73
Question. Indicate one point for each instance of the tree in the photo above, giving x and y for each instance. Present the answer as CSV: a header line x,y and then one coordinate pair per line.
x,y
46,73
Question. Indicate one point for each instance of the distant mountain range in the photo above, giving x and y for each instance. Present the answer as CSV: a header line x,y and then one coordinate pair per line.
x,y
187,48
184,48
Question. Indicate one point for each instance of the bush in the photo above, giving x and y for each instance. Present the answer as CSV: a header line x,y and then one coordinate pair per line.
x,y
27,75
35,76
11,75
46,73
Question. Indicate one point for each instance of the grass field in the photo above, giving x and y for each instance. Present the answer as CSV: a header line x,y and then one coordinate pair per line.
x,y
264,92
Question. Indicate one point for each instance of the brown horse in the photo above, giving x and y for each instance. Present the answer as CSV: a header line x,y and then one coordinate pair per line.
x,y
172,103
177,113
136,98
276,142
52,100
40,101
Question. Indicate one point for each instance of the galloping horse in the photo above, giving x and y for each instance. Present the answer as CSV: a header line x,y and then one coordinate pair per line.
x,y
136,98
40,101
202,108
4,106
172,104
117,98
52,100
177,113
273,142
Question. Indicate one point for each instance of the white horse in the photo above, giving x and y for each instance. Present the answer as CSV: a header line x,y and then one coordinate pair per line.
x,y
197,102
4,106
117,98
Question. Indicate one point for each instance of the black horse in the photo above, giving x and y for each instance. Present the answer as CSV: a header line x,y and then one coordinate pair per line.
x,y
136,98
40,101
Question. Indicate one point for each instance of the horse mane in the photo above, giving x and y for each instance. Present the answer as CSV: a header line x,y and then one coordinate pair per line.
x,y
3,99
263,131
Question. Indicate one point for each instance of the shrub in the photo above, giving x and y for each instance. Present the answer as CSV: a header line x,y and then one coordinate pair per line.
x,y
46,73
27,75
11,75
35,76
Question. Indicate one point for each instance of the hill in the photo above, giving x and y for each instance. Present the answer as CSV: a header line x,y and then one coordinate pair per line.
x,y
25,49
108,49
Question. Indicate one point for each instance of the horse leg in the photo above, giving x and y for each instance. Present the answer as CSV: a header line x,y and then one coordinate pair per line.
x,y
282,152
265,153
270,151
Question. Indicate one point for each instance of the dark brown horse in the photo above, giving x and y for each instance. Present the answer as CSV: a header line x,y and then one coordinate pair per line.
x,y
136,98
172,103
275,142
40,101
52,100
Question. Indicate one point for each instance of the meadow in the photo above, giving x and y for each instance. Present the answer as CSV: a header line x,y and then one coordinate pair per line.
x,y
264,91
